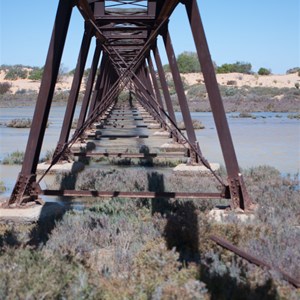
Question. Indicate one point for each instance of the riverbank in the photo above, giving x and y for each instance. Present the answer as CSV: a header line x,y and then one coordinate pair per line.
x,y
240,92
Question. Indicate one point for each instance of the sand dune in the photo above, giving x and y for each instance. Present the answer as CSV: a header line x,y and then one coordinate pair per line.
x,y
279,81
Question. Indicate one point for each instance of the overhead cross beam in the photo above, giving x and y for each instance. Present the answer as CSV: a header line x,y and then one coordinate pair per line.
x,y
126,56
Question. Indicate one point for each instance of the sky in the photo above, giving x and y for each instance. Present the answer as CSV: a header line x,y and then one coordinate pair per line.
x,y
265,33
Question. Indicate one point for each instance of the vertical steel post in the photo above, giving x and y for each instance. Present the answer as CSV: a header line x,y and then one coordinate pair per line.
x,y
154,81
156,87
89,86
238,191
180,90
97,84
103,82
24,186
164,84
147,80
76,83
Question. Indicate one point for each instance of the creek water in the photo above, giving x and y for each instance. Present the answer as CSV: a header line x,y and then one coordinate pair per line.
x,y
268,139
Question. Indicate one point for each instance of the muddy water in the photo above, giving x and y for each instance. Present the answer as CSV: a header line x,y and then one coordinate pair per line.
x,y
270,139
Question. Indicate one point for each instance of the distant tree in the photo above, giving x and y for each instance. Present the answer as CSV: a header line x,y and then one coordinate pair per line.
x,y
238,67
188,62
61,72
72,72
293,70
166,68
86,72
264,71
36,73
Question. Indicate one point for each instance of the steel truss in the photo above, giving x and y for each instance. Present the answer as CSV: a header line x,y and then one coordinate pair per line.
x,y
126,34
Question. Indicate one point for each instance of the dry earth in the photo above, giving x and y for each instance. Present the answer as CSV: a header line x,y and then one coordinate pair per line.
x,y
25,84
279,81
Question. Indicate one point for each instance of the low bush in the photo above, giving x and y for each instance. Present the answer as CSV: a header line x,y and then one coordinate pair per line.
x,y
4,87
33,274
197,91
16,72
238,67
231,82
264,71
294,116
196,124
188,62
20,123
245,115
159,248
293,70
48,156
74,123
2,187
15,158
36,74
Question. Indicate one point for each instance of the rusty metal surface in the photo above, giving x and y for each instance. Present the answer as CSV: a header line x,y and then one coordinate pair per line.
x,y
252,259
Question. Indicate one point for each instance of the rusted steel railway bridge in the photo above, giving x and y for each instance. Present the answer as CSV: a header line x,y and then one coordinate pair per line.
x,y
125,56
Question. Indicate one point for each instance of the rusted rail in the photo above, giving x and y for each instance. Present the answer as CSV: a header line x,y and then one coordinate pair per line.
x,y
127,155
116,194
252,259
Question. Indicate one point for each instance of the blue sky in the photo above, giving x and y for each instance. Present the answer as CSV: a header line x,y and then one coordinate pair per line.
x,y
265,33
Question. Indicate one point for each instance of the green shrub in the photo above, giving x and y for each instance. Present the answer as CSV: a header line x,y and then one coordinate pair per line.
x,y
246,115
196,124
231,82
19,123
238,67
297,85
294,116
188,62
4,87
16,72
264,71
197,91
33,274
15,158
36,74
166,68
293,70
159,248
2,187
48,156
74,123
171,84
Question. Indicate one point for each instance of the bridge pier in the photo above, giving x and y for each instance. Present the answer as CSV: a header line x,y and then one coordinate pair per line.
x,y
26,188
239,194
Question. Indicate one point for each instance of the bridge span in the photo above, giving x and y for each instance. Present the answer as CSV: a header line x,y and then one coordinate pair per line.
x,y
127,60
